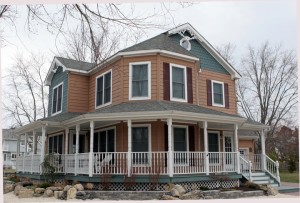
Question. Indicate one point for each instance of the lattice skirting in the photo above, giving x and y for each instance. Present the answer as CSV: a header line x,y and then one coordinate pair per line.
x,y
213,184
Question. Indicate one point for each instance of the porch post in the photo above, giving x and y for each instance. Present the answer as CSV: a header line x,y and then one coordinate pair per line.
x,y
206,148
18,152
129,148
26,140
236,144
67,140
77,148
43,143
34,142
263,150
91,161
170,147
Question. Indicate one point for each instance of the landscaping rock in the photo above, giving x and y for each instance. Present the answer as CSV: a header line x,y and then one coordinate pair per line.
x,y
168,197
196,194
214,193
180,189
48,193
208,197
55,188
37,195
9,187
17,189
58,194
81,195
64,195
89,186
271,191
175,193
39,190
71,194
231,194
170,186
67,187
26,193
79,187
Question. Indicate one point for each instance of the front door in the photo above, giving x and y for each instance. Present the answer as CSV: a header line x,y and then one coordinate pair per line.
x,y
229,158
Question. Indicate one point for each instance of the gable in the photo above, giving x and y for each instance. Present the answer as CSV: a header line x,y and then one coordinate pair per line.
x,y
207,61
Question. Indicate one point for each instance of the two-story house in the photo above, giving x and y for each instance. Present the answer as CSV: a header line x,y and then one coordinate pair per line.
x,y
166,106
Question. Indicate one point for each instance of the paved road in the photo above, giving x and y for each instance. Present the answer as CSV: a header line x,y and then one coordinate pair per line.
x,y
286,185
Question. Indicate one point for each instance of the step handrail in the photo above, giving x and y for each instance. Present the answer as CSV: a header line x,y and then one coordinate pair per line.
x,y
272,168
245,173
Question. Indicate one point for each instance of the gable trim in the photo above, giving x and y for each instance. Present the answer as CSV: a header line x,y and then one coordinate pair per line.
x,y
187,27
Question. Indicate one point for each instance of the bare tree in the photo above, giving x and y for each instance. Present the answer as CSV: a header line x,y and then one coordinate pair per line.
x,y
26,95
268,91
227,52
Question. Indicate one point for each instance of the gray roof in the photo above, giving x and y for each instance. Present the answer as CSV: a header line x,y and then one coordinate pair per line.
x,y
247,133
140,106
74,64
62,117
252,122
8,134
162,42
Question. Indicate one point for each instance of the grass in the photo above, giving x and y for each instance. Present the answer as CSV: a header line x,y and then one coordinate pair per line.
x,y
286,176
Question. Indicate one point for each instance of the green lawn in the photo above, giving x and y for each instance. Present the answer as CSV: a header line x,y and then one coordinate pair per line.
x,y
286,176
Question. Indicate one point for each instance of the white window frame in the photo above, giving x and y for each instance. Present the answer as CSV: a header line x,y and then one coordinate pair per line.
x,y
231,137
12,156
149,143
62,94
149,80
108,103
186,140
106,129
213,96
171,83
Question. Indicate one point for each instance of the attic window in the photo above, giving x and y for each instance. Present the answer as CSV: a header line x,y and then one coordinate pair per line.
x,y
185,43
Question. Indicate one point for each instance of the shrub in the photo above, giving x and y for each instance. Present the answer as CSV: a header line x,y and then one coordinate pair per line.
x,y
292,165
14,178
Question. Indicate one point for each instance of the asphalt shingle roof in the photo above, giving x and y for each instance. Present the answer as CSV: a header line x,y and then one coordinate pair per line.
x,y
160,106
62,117
162,42
247,133
74,64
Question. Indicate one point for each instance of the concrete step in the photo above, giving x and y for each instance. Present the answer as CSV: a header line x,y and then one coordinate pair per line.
x,y
263,182
260,178
259,174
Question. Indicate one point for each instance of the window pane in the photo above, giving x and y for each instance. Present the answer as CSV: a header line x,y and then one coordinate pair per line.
x,y
55,144
140,80
180,139
59,98
213,142
100,91
107,87
178,83
50,145
96,144
111,140
102,141
218,93
140,139
54,101
60,144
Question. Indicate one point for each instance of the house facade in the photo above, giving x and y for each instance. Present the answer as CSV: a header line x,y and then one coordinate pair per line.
x,y
166,107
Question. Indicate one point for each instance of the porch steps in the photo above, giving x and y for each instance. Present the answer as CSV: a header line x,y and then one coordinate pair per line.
x,y
263,178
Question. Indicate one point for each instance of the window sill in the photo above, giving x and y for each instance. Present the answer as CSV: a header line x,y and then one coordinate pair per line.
x,y
139,98
178,100
103,105
56,113
218,105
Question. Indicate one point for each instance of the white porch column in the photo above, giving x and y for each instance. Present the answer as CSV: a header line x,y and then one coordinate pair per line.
x,y
206,147
236,145
77,148
91,161
129,148
26,143
43,143
18,152
263,150
67,140
170,147
25,150
34,142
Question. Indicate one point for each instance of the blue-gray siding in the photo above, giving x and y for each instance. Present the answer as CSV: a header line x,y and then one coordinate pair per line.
x,y
59,77
207,61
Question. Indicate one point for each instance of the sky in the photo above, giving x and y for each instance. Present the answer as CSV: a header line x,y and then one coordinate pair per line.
x,y
242,23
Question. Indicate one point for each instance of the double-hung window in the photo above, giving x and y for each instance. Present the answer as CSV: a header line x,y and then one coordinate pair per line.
x,y
140,144
178,83
180,137
57,99
103,89
55,144
213,146
218,93
140,80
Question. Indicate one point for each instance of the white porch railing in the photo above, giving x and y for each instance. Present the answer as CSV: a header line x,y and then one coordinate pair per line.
x,y
83,163
19,163
189,162
69,163
255,159
245,167
222,162
272,168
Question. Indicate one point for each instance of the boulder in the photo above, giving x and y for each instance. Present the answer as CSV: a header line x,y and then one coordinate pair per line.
x,y
175,193
71,194
26,193
196,194
58,194
208,197
168,197
67,187
39,190
170,186
48,193
81,195
79,187
89,186
8,187
64,195
180,189
17,189
55,188
271,191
